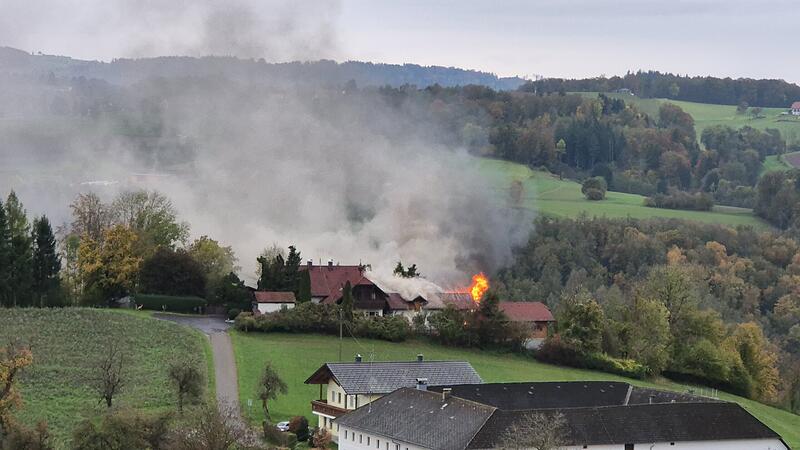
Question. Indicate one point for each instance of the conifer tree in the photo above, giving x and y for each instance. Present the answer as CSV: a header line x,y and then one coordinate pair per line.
x,y
5,259
46,264
21,264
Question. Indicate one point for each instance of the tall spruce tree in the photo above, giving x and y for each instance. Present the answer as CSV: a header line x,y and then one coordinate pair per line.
x,y
46,264
21,265
5,259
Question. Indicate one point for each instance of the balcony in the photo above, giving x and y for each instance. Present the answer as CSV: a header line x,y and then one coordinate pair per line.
x,y
322,407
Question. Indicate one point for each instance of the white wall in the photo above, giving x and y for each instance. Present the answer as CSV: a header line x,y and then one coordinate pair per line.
x,y
357,440
264,308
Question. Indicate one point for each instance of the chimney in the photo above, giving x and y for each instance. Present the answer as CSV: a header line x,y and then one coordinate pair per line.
x,y
422,384
330,263
446,394
358,358
310,263
420,357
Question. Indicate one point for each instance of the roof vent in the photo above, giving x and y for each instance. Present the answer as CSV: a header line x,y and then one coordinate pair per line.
x,y
330,262
310,262
446,393
420,357
422,384
358,357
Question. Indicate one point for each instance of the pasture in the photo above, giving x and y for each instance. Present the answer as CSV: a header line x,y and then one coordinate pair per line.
x,y
551,196
67,344
296,356
706,115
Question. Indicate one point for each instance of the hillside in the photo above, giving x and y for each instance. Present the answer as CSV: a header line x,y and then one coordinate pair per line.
x,y
129,71
549,195
296,356
706,115
68,343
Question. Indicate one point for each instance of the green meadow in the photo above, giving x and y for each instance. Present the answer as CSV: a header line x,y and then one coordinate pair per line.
x,y
551,196
68,343
706,115
296,356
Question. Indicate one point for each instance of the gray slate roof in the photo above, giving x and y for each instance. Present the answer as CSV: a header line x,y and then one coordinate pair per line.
x,y
385,377
421,418
638,424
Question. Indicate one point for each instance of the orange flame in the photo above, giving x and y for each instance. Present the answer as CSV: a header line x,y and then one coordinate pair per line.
x,y
479,286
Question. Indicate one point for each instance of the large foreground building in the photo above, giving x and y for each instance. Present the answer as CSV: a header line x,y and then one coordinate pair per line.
x,y
595,415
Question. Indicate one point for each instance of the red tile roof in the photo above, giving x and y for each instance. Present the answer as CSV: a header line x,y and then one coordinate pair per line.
x,y
397,302
274,297
527,311
796,105
328,281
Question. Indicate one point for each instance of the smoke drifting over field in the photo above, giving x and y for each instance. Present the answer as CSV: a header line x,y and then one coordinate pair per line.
x,y
338,173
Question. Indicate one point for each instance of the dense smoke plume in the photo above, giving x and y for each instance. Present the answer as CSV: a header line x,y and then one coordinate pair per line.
x,y
339,172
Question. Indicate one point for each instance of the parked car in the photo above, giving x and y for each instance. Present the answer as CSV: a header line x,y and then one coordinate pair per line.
x,y
283,426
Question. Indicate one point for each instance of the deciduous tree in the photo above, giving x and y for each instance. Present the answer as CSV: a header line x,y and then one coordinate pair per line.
x,y
270,385
187,381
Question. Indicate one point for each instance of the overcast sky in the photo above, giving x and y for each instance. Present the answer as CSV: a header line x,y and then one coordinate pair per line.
x,y
571,38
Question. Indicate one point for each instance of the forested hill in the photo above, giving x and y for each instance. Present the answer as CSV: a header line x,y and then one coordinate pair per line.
x,y
722,91
128,71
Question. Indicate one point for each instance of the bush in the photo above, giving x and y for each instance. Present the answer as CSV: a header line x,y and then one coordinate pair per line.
x,y
321,438
277,437
234,313
681,200
170,303
594,188
314,318
555,351
299,426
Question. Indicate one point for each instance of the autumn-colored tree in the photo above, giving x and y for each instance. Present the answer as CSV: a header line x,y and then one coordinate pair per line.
x,y
14,358
109,268
758,358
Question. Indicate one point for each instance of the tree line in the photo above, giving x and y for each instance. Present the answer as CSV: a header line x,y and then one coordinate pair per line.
x,y
653,84
580,137
699,302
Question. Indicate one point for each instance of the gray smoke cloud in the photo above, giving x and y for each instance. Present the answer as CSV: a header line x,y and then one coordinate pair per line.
x,y
277,30
339,174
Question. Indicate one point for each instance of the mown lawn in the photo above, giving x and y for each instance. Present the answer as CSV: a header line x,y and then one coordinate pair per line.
x,y
296,356
67,343
551,196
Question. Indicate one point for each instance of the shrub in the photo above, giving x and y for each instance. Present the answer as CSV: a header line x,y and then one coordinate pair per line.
x,y
170,303
245,322
681,200
321,438
234,313
299,426
388,328
555,351
594,188
277,437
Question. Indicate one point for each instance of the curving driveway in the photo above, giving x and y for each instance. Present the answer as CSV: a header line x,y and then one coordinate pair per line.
x,y
224,362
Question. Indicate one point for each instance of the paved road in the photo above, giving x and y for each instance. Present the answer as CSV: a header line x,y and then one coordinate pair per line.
x,y
224,362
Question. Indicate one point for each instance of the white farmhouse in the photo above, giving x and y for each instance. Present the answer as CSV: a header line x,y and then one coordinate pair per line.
x,y
344,387
597,415
268,301
795,109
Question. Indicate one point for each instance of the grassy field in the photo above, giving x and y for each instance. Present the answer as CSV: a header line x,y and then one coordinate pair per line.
x,y
548,195
706,115
298,356
66,343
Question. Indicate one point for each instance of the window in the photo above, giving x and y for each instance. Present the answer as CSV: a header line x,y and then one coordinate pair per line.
x,y
367,440
345,434
377,443
360,438
628,446
340,397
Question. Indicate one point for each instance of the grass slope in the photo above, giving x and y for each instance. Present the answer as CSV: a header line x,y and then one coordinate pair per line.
x,y
548,195
295,357
66,343
706,115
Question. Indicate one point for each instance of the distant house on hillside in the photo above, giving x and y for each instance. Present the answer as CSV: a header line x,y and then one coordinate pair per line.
x,y
328,281
267,301
344,387
624,91
795,109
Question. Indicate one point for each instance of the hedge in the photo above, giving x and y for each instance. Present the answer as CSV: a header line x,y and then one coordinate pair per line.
x,y
170,303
